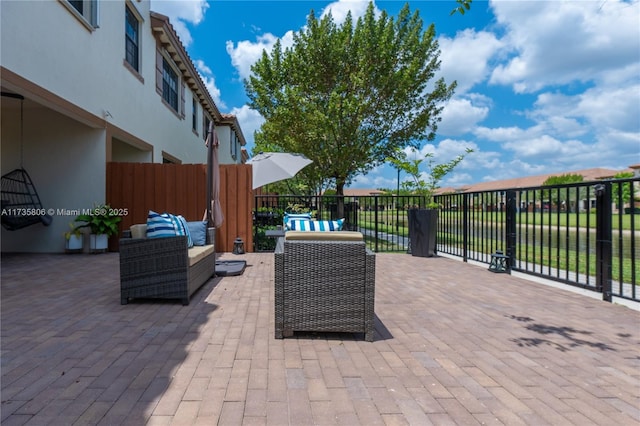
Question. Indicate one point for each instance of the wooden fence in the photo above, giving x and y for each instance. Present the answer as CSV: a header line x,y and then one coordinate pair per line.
x,y
182,189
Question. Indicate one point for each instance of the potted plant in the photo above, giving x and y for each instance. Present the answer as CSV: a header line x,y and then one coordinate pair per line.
x,y
423,221
103,222
74,240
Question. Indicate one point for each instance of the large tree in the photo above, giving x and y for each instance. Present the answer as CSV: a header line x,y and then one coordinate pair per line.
x,y
349,96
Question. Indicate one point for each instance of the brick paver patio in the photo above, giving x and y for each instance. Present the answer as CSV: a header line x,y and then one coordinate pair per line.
x,y
455,344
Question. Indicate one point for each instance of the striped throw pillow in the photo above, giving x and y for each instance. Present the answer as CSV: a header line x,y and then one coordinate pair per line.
x,y
160,225
316,225
184,230
294,216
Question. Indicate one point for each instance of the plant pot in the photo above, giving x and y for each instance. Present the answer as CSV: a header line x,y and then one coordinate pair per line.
x,y
98,243
423,226
74,244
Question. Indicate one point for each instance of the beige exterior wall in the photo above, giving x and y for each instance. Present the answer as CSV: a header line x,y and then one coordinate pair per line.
x,y
83,107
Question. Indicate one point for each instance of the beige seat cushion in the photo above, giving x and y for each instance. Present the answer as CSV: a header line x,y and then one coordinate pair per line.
x,y
323,236
197,253
139,231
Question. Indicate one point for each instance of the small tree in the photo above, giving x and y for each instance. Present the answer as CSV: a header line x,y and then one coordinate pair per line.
x,y
623,190
557,196
436,172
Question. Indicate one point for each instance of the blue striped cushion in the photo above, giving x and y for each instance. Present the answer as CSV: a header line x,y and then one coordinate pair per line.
x,y
294,216
160,225
315,225
184,229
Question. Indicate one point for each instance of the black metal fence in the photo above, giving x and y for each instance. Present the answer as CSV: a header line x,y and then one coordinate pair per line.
x,y
582,234
382,219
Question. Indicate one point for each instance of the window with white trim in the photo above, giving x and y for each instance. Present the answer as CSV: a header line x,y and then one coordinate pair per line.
x,y
169,85
132,38
87,10
194,113
234,144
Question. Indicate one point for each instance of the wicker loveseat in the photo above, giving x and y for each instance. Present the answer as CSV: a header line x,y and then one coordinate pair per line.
x,y
164,267
324,282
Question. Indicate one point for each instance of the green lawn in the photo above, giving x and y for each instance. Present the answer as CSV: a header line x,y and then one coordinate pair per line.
x,y
571,259
572,220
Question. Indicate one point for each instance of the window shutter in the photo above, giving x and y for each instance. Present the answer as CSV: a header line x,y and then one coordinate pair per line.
x,y
159,72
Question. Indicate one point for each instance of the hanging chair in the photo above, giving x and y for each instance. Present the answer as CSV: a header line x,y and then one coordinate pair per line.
x,y
20,203
21,206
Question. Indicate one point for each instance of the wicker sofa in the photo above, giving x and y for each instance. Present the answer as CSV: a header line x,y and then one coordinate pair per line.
x,y
164,267
324,282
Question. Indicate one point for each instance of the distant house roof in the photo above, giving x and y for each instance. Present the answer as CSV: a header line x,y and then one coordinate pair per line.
x,y
232,120
528,181
597,173
361,192
244,155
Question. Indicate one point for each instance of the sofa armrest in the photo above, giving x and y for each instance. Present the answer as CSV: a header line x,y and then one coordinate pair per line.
x,y
141,257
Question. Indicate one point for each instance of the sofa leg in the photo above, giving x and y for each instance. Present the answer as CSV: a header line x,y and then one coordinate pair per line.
x,y
185,301
124,300
369,337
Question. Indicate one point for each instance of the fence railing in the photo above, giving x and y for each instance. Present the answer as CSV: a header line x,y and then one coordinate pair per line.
x,y
381,219
582,234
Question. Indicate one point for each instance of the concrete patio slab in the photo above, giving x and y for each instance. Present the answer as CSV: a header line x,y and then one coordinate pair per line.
x,y
455,344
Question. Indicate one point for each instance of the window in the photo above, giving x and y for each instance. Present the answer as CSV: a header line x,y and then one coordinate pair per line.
x,y
87,9
169,85
131,38
194,114
205,126
234,144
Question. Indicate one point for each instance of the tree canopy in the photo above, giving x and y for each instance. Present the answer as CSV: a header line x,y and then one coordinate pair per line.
x,y
563,179
349,96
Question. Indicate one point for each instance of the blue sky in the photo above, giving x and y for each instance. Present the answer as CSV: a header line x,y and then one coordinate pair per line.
x,y
543,86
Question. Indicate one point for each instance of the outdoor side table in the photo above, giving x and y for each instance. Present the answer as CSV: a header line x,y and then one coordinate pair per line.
x,y
274,233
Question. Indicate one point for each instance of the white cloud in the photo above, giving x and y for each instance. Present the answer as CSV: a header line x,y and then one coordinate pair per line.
x,y
466,57
341,8
461,115
181,13
210,83
544,146
373,181
250,121
612,107
245,53
556,42
499,134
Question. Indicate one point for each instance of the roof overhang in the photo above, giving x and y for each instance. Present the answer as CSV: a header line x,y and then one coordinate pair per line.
x,y
167,37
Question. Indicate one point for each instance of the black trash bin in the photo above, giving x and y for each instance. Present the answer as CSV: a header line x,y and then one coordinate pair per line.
x,y
422,231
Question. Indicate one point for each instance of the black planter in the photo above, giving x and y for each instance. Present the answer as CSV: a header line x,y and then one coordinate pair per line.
x,y
422,231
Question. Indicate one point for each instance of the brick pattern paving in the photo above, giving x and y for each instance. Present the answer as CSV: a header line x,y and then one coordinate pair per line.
x,y
455,344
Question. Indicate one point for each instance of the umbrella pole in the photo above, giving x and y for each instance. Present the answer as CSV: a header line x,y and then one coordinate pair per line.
x,y
209,175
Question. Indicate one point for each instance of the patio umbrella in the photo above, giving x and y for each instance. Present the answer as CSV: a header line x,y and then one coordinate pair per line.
x,y
214,214
269,167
